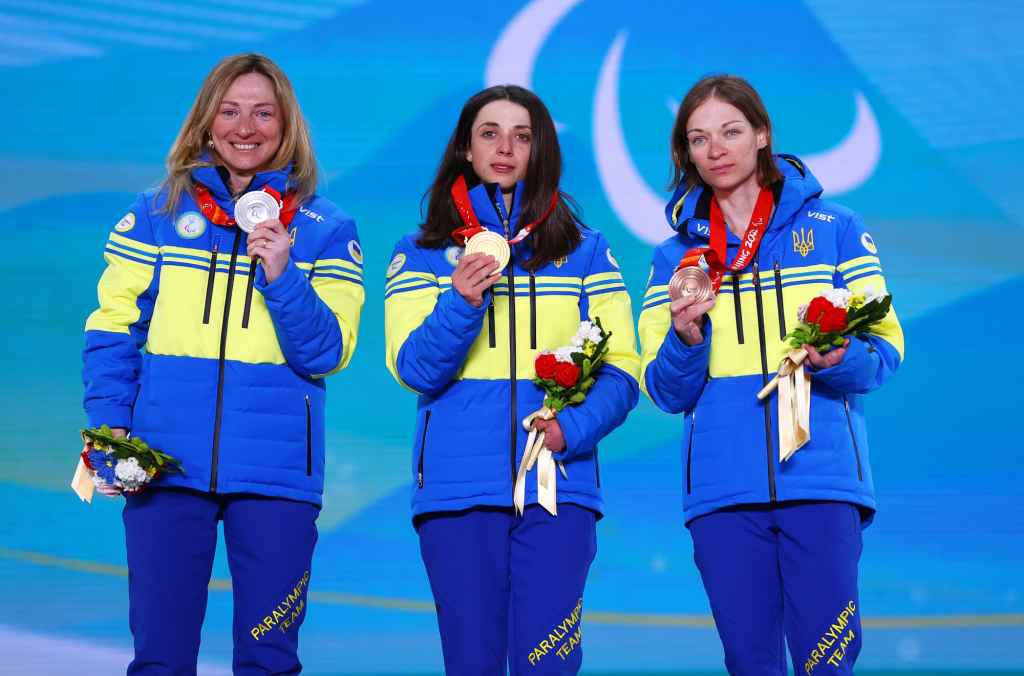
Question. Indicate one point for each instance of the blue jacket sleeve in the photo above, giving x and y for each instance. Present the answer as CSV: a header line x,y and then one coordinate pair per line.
x,y
872,358
118,328
615,390
316,319
673,373
428,331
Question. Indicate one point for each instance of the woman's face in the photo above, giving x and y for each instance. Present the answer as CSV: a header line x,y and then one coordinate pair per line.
x,y
246,131
500,142
723,145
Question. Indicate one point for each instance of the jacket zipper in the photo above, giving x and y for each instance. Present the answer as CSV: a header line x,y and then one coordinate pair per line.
x,y
856,449
511,341
764,381
209,282
689,453
219,406
309,438
738,304
492,339
533,312
248,292
423,450
780,302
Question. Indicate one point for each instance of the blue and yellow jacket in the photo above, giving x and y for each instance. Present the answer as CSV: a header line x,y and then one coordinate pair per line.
x,y
730,439
472,366
223,374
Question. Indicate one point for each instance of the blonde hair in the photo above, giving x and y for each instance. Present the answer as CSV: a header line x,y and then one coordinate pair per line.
x,y
296,147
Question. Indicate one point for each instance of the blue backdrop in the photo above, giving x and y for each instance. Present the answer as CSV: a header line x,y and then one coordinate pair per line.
x,y
911,113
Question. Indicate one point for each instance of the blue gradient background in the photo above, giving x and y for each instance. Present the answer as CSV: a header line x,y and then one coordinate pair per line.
x,y
93,94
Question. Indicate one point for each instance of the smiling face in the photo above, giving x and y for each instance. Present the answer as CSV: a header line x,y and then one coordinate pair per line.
x,y
247,128
723,145
500,143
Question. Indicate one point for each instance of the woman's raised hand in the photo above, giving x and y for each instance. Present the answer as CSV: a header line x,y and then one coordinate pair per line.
x,y
475,274
688,318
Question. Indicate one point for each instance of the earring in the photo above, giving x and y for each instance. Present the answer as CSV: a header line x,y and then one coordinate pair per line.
x,y
209,142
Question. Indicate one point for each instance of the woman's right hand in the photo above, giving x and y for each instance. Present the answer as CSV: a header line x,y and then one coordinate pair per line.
x,y
102,486
475,274
688,318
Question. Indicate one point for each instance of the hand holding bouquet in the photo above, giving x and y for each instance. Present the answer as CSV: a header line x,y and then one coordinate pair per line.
x,y
116,464
826,323
565,376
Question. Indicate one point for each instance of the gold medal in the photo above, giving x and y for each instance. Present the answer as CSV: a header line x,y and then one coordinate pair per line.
x,y
691,281
490,243
255,207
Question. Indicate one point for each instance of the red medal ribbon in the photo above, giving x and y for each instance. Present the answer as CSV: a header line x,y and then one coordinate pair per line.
x,y
471,224
216,215
712,258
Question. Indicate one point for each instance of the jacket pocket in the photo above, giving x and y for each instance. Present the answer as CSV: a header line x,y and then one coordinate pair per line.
x,y
309,438
492,339
689,453
853,438
780,301
533,315
423,450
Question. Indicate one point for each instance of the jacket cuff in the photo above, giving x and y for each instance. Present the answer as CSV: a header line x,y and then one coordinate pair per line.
x,y
290,280
110,415
854,373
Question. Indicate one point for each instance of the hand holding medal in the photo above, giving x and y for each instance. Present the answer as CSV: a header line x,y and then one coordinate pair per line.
x,y
257,214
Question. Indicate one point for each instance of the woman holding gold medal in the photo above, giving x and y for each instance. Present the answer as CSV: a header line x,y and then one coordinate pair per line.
x,y
777,541
501,272
245,288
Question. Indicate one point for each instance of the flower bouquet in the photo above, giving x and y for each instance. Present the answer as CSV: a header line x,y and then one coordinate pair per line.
x,y
825,323
565,376
115,464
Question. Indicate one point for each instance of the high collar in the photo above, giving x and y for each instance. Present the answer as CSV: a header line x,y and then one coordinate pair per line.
x,y
489,207
688,211
210,177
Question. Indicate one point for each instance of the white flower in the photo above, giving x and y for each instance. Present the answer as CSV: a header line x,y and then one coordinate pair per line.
x,y
587,331
871,295
564,354
840,298
801,313
130,473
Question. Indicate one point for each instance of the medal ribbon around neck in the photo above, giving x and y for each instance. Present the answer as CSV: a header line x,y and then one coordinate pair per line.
x,y
216,215
471,224
714,256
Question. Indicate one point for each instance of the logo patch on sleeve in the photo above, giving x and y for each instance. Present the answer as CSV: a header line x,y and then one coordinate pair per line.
x,y
190,225
355,251
868,243
395,265
126,223
611,259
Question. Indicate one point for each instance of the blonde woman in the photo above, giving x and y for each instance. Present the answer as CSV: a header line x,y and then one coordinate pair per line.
x,y
240,330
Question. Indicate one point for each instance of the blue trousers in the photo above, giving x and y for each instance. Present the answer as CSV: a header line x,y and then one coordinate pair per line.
x,y
787,572
509,590
171,536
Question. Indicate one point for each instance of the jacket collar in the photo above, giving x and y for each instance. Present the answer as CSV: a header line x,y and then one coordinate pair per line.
x,y
489,207
688,210
210,176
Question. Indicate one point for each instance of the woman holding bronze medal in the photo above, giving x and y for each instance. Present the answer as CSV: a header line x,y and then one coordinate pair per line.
x,y
245,287
777,541
497,279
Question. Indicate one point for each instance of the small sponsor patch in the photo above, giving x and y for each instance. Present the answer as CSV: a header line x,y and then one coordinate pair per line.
x,y
868,243
452,254
559,262
611,259
190,225
355,252
396,264
126,223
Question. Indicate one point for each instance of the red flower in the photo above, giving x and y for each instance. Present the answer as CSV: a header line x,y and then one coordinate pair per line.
x,y
828,317
85,458
566,374
545,366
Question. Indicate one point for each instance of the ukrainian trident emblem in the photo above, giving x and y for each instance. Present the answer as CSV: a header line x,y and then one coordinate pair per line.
x,y
803,243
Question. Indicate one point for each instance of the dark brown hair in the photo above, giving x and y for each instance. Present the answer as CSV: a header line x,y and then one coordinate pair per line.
x,y
736,92
557,236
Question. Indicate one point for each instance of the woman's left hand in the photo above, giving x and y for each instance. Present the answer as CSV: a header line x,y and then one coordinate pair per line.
x,y
553,439
830,358
271,243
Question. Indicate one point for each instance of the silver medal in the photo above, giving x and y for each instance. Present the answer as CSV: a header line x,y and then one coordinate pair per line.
x,y
255,207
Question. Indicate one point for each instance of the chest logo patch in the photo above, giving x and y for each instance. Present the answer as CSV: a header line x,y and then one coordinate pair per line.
x,y
868,243
190,225
396,264
126,223
803,243
452,254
